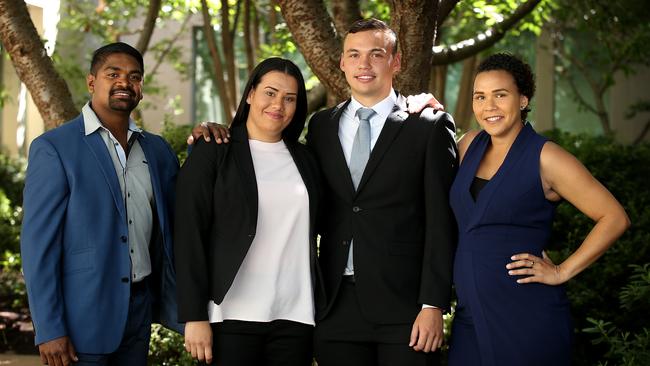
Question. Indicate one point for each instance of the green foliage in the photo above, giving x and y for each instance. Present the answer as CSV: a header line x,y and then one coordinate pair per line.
x,y
11,196
593,294
166,348
176,136
469,18
624,347
13,295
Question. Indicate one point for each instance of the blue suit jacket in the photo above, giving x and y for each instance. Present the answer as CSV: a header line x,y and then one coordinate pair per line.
x,y
74,238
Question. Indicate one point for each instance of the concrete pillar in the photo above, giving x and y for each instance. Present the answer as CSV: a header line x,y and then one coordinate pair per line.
x,y
544,100
628,90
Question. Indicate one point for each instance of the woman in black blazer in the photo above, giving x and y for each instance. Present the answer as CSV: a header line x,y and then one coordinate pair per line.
x,y
244,238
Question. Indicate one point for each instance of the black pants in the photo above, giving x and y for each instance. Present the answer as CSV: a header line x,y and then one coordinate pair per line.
x,y
276,343
345,338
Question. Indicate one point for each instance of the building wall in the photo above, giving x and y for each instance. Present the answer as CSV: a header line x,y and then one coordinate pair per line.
x,y
174,102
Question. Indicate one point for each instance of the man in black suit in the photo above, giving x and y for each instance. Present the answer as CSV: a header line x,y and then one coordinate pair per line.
x,y
387,232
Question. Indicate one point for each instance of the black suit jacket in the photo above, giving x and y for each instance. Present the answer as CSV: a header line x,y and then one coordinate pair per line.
x,y
216,218
400,219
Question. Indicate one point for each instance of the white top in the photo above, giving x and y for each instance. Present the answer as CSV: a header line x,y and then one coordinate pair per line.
x,y
348,126
274,280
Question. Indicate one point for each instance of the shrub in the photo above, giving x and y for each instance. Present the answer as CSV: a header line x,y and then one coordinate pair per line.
x,y
176,136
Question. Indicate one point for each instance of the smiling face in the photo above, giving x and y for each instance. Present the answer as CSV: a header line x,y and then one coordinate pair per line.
x,y
116,85
497,102
369,65
272,105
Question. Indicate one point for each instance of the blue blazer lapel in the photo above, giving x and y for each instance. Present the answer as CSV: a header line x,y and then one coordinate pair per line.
x,y
100,152
152,162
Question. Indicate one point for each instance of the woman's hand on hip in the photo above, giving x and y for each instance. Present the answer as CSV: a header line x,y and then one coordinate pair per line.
x,y
198,340
541,270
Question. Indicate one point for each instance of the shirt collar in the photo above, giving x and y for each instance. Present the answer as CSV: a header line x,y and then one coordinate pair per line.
x,y
92,122
383,108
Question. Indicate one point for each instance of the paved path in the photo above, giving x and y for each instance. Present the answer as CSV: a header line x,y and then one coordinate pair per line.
x,y
8,359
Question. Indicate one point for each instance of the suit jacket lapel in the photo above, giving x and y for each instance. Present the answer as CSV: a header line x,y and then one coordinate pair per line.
x,y
152,163
105,163
244,161
388,133
338,158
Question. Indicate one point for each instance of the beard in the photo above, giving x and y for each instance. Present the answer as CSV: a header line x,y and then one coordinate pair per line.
x,y
122,104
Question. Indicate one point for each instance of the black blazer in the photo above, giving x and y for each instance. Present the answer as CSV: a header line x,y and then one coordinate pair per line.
x,y
400,219
216,218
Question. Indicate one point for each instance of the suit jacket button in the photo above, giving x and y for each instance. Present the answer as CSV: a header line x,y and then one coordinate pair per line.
x,y
123,238
345,243
125,279
356,209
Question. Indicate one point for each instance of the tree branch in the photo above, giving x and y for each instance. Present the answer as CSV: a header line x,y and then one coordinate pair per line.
x,y
170,45
469,47
149,24
641,136
444,9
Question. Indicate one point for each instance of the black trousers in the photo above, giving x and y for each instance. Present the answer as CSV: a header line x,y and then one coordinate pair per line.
x,y
276,343
345,338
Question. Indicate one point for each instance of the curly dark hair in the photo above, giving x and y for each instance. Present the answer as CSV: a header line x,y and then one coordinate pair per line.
x,y
520,71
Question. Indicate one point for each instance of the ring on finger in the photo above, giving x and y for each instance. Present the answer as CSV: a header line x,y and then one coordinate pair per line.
x,y
532,263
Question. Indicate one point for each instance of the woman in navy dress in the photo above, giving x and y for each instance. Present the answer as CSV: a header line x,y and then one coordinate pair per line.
x,y
512,307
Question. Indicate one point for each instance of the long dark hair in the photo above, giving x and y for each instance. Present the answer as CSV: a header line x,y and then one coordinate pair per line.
x,y
292,132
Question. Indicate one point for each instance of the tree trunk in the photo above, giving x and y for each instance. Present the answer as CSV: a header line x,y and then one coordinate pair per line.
x,y
413,21
603,117
438,82
34,68
248,37
463,113
216,62
316,98
256,29
345,12
273,21
228,53
312,29
149,24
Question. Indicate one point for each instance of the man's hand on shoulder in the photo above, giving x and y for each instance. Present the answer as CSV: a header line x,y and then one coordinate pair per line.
x,y
426,334
58,351
207,129
416,103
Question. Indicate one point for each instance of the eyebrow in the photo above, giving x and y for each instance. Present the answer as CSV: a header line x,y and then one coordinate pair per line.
x,y
376,49
275,89
115,68
493,91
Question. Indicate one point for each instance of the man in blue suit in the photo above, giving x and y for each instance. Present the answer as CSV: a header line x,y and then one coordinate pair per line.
x,y
96,236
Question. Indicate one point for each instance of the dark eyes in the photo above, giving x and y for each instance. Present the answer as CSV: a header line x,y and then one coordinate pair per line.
x,y
132,77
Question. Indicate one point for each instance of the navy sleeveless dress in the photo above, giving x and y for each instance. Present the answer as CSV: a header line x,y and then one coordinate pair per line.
x,y
498,321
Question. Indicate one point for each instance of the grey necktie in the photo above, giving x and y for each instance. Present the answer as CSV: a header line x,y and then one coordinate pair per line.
x,y
358,160
361,145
